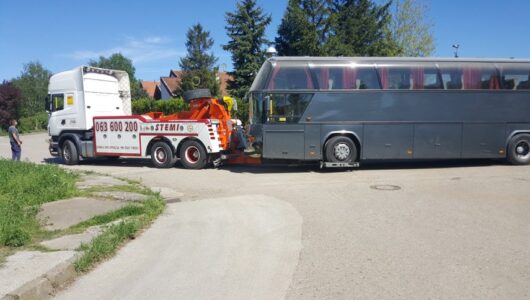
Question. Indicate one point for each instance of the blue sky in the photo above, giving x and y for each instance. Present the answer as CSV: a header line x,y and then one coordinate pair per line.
x,y
63,34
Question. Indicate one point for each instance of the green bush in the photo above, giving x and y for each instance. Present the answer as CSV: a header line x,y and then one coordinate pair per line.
x,y
33,123
25,186
142,106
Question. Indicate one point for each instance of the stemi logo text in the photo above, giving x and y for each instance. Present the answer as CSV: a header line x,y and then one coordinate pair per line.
x,y
166,127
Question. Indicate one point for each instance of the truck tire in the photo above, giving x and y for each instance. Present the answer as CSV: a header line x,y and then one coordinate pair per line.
x,y
196,94
193,155
519,150
340,149
69,153
162,155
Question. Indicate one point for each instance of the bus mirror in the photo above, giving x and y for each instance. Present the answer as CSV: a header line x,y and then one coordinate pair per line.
x,y
266,104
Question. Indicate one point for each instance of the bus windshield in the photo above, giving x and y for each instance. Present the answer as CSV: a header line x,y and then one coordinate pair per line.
x,y
256,110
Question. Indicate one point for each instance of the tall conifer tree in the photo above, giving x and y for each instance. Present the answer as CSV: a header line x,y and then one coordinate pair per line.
x,y
246,29
198,66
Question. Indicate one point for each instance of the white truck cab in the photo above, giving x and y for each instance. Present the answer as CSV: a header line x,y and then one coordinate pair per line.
x,y
90,116
75,97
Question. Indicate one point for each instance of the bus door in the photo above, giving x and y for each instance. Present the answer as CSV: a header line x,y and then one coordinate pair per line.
x,y
283,133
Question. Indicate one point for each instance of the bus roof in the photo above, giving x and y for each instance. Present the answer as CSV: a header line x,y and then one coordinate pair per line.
x,y
394,59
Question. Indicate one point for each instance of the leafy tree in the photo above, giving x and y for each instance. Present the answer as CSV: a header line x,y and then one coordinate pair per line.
x,y
246,29
198,66
360,28
411,29
118,61
33,84
302,29
10,98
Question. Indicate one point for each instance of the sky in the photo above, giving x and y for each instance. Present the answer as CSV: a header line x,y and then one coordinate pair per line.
x,y
64,34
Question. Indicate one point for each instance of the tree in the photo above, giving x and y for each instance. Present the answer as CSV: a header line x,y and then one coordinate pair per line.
x,y
10,98
336,28
411,29
198,66
246,29
303,29
33,85
118,61
360,28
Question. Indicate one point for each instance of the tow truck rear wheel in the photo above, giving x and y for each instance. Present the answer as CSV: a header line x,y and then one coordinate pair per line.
x,y
193,155
69,153
162,155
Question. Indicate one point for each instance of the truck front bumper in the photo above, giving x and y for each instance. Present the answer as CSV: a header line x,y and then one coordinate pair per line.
x,y
53,147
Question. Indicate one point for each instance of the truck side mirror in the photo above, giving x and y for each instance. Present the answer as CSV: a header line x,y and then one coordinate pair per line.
x,y
47,104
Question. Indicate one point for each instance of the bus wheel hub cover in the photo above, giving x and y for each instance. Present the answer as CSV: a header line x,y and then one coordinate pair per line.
x,y
342,151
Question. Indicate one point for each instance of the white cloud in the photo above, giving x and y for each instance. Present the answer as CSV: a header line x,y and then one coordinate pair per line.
x,y
148,49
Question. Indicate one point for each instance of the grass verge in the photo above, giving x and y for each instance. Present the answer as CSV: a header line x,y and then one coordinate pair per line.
x,y
25,186
106,244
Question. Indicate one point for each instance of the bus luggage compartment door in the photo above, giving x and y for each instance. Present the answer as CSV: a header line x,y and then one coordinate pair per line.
x,y
437,141
283,141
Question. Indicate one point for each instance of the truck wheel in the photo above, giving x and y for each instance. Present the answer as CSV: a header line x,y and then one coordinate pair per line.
x,y
519,150
69,153
162,156
340,149
193,155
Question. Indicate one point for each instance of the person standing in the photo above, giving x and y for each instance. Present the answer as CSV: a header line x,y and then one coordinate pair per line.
x,y
14,140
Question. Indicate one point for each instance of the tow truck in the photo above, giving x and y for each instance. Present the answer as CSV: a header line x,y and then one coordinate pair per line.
x,y
91,116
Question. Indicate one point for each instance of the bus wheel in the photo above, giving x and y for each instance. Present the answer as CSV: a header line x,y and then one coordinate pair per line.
x,y
340,149
193,155
519,150
69,153
162,156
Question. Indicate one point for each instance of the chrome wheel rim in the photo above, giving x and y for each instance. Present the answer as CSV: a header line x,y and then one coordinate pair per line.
x,y
522,150
341,151
66,153
192,154
160,155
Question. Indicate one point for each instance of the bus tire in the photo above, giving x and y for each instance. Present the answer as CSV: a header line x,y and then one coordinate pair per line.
x,y
193,155
69,153
519,150
340,149
162,155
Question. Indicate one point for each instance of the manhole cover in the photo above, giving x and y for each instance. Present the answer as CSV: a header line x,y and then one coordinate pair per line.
x,y
385,187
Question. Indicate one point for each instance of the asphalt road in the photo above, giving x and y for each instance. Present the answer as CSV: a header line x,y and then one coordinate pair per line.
x,y
449,230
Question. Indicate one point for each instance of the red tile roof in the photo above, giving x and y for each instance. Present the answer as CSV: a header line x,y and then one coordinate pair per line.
x,y
149,87
223,80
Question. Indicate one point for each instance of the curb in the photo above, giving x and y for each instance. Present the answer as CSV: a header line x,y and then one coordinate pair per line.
x,y
44,286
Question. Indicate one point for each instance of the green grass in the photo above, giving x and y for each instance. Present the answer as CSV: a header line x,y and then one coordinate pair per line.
x,y
105,245
24,187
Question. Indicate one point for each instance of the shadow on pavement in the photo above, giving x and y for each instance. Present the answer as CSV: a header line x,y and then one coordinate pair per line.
x,y
283,167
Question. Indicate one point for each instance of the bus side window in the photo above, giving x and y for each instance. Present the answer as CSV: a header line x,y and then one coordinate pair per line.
x,y
287,108
515,79
367,79
481,78
524,85
290,78
399,78
452,78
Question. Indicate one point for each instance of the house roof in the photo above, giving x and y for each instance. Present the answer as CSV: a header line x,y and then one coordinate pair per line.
x,y
173,81
171,84
150,87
